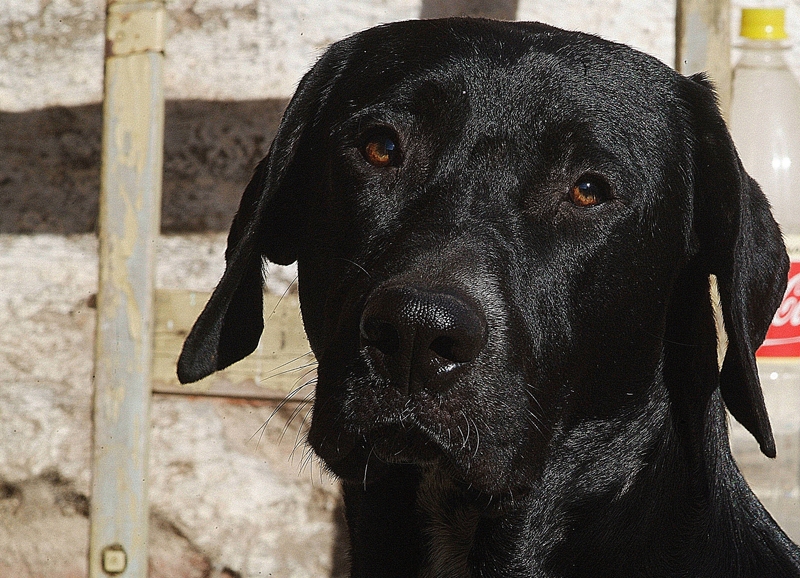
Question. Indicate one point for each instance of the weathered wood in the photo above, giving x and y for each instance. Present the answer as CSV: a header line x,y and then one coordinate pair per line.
x,y
703,43
282,366
130,201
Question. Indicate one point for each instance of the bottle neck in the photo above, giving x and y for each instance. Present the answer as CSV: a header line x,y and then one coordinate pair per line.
x,y
762,54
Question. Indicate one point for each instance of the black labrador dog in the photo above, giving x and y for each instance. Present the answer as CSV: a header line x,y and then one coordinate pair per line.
x,y
505,234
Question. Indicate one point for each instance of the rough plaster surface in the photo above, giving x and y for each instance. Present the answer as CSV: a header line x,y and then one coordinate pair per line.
x,y
51,52
225,494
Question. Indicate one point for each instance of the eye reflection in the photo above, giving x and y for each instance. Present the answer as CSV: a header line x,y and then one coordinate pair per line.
x,y
381,151
589,190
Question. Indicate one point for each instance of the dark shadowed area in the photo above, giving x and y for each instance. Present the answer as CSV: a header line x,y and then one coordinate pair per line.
x,y
50,174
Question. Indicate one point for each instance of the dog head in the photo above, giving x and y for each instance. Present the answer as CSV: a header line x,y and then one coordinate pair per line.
x,y
504,232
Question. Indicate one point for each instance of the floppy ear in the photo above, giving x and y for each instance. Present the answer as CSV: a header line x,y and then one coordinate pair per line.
x,y
741,244
269,223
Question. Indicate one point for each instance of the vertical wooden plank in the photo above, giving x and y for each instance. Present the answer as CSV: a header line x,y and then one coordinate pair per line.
x,y
133,130
703,43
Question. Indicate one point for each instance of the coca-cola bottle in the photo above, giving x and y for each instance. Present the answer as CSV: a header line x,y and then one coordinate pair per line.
x,y
765,124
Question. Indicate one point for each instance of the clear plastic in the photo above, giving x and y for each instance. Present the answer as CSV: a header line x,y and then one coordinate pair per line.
x,y
765,124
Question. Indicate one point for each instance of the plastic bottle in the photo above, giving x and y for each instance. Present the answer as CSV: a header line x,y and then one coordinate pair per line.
x,y
765,124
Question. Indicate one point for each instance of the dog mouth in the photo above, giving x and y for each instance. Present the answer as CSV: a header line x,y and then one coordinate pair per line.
x,y
358,451
395,443
375,455
403,444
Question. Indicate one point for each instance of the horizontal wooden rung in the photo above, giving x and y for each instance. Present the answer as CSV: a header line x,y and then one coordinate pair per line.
x,y
281,366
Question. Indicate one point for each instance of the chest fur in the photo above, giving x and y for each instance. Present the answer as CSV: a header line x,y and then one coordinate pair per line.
x,y
449,521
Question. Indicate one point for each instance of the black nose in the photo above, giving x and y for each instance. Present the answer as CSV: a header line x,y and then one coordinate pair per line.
x,y
422,336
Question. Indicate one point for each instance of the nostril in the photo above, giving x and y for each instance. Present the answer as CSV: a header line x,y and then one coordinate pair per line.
x,y
459,348
380,334
449,348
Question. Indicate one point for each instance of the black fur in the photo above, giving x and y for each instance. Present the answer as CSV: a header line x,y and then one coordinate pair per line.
x,y
512,383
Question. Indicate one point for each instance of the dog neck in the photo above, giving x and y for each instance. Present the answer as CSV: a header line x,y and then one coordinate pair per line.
x,y
654,497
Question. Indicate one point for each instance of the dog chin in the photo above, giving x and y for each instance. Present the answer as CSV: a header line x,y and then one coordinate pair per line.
x,y
403,445
355,457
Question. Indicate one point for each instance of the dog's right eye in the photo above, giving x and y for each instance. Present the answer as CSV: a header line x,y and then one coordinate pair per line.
x,y
590,190
381,151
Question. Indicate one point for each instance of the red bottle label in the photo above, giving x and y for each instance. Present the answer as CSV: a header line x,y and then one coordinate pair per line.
x,y
783,336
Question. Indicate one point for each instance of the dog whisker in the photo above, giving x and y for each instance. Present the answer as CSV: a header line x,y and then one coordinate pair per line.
x,y
477,442
366,468
260,432
535,421
307,460
301,405
300,440
463,440
289,398
663,339
285,292
354,264
298,368
299,357
466,439
533,397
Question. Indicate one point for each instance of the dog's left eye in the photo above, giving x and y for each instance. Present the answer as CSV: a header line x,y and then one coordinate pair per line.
x,y
589,190
381,151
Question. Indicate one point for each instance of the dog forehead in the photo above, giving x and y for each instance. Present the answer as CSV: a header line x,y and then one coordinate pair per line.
x,y
515,71
392,51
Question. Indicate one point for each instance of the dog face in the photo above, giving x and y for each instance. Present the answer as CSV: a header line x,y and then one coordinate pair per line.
x,y
466,279
504,234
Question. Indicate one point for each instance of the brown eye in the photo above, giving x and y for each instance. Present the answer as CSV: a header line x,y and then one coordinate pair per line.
x,y
589,191
381,151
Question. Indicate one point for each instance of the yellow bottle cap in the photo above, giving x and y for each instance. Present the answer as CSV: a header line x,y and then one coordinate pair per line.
x,y
763,23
